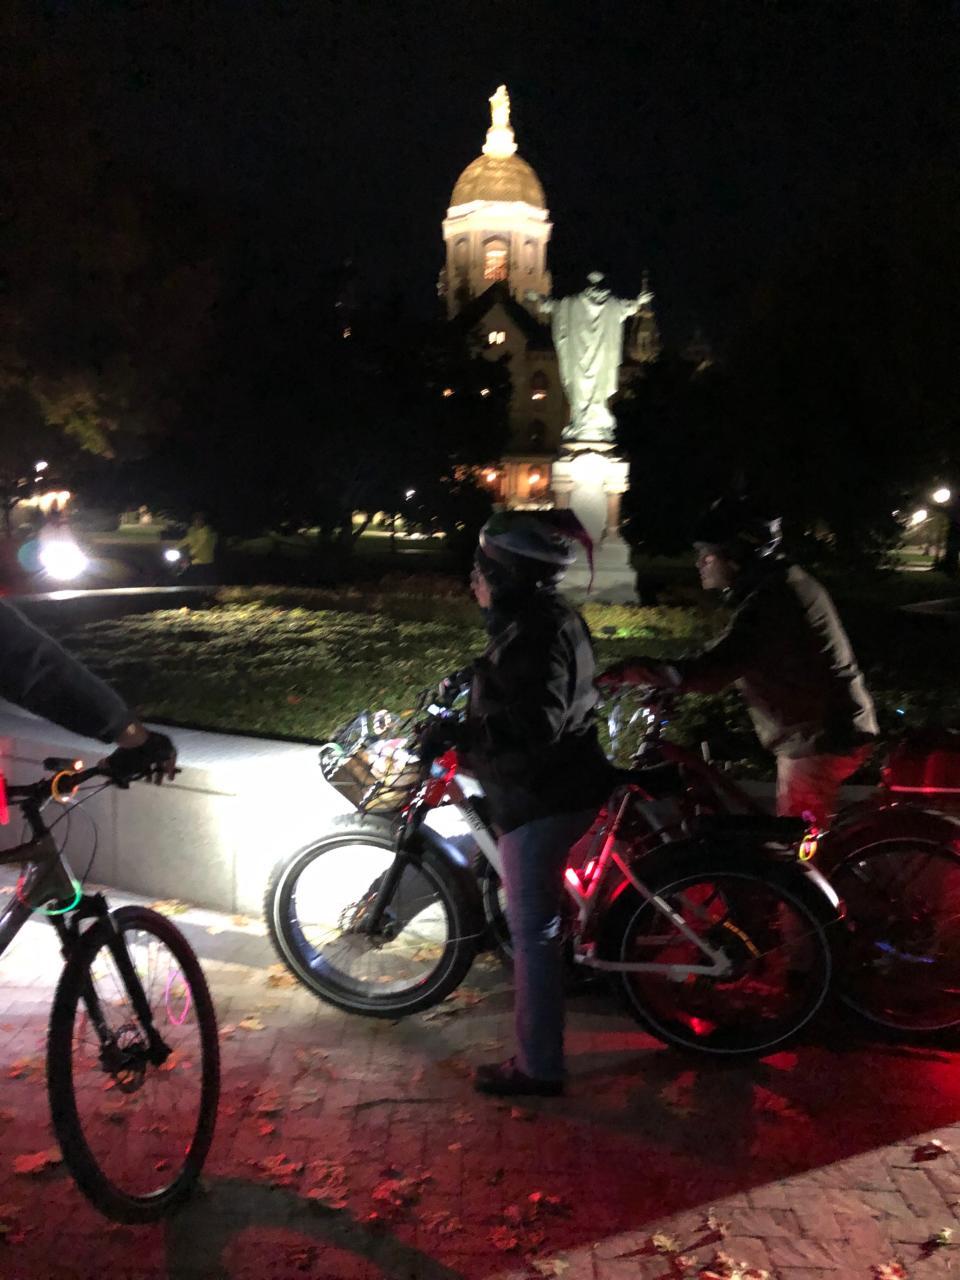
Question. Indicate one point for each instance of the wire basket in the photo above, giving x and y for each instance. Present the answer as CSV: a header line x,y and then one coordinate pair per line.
x,y
378,776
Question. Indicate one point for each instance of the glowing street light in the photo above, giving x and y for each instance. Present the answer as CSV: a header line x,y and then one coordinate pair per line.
x,y
941,495
41,465
409,494
491,477
919,516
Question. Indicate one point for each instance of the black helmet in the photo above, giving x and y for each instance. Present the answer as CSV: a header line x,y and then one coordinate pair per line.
x,y
532,545
741,528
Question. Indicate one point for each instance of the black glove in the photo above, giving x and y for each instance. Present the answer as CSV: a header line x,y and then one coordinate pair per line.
x,y
451,686
154,758
437,736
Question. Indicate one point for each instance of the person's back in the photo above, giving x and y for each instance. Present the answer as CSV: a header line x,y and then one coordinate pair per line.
x,y
793,663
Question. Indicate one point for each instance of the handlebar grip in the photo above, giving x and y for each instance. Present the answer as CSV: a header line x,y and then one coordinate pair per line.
x,y
55,764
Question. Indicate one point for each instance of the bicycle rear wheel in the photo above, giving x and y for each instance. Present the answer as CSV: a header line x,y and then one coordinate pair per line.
x,y
134,1130
901,958
760,917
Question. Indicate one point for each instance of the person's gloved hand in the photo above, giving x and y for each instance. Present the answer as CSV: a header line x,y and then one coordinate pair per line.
x,y
450,687
641,671
154,756
437,736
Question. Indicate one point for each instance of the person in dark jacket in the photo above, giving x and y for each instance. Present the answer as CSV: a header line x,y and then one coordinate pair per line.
x,y
530,736
39,675
788,654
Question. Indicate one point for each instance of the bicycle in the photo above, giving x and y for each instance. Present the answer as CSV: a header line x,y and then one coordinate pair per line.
x,y
720,947
133,1057
894,863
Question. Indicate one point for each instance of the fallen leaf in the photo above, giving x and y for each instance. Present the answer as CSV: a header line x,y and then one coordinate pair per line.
x,y
504,1239
169,907
889,1271
24,1068
264,1128
663,1242
940,1239
550,1266
251,1023
455,1146
279,1169
930,1150
441,1221
240,921
38,1162
518,1113
715,1225
279,976
462,1116
214,929
227,1031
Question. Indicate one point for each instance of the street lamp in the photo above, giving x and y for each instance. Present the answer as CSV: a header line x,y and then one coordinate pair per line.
x,y
941,495
409,494
919,516
41,465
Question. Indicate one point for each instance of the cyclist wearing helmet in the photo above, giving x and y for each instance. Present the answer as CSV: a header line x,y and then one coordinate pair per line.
x,y
530,736
788,654
40,676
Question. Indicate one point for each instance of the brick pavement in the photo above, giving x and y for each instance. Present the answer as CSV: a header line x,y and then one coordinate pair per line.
x,y
807,1156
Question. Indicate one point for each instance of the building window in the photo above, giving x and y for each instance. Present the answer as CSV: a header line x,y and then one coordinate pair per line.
x,y
537,434
538,386
496,337
495,261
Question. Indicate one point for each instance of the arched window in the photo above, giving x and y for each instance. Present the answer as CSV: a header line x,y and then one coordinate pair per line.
x,y
495,260
539,386
461,252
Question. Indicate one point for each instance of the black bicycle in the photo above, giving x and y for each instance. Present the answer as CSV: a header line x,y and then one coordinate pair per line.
x,y
133,1056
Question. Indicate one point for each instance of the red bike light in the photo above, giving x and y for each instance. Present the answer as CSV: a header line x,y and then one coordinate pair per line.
x,y
573,879
4,807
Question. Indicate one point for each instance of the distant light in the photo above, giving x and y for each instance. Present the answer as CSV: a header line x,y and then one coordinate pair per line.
x,y
919,516
347,332
41,465
63,560
539,395
900,711
409,494
941,495
484,391
447,392
491,476
535,477
496,337
172,555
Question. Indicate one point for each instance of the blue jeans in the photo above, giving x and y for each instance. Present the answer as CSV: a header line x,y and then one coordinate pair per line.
x,y
534,858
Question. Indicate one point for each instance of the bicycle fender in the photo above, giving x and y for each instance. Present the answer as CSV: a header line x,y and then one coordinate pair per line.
x,y
457,863
865,827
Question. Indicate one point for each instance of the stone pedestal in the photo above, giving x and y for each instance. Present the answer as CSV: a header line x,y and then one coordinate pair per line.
x,y
590,478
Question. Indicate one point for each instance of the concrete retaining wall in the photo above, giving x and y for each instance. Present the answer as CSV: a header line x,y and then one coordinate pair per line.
x,y
210,838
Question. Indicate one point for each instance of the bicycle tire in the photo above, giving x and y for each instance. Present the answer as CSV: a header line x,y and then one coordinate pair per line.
x,y
885,924
456,891
682,870
111,1200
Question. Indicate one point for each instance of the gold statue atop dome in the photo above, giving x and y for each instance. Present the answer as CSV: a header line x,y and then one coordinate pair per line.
x,y
500,108
500,141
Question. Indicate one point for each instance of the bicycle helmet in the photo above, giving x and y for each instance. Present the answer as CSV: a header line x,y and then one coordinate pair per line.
x,y
532,546
740,528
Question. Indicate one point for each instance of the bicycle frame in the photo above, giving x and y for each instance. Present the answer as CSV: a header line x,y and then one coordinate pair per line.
x,y
50,879
448,784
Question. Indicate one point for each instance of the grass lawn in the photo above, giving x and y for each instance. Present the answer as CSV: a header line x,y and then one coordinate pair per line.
x,y
299,662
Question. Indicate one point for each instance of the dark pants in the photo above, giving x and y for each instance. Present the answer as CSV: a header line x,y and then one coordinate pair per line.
x,y
534,859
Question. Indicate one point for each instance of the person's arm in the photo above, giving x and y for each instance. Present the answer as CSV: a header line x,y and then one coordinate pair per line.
x,y
727,659
536,667
39,675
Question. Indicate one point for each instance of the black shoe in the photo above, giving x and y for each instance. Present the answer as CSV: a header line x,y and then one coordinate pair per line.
x,y
506,1080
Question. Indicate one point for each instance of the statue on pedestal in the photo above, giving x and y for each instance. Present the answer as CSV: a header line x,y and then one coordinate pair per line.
x,y
587,335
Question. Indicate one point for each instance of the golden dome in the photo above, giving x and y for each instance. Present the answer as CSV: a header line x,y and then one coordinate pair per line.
x,y
499,174
499,178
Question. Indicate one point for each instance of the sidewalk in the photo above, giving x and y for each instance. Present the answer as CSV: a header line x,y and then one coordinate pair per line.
x,y
809,1156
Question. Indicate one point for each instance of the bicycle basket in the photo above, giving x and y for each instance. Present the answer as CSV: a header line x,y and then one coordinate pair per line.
x,y
378,776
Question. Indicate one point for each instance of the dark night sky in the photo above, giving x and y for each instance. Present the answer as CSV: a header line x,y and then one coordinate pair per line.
x,y
706,140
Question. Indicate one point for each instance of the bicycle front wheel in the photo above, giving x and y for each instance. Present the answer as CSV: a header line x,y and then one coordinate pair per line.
x,y
133,1087
317,905
901,957
758,918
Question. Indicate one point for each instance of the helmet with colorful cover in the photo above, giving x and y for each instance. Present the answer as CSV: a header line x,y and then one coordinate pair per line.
x,y
532,546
